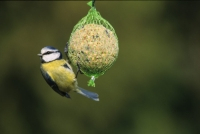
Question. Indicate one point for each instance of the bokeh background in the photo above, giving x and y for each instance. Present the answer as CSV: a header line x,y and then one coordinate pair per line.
x,y
153,87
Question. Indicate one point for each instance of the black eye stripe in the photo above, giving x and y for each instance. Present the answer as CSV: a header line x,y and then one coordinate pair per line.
x,y
49,52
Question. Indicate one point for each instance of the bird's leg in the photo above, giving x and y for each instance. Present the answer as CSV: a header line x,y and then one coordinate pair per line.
x,y
79,70
66,48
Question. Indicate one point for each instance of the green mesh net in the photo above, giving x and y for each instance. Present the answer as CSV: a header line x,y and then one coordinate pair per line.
x,y
93,45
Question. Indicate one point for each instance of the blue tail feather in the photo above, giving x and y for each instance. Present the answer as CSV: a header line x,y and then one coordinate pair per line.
x,y
89,94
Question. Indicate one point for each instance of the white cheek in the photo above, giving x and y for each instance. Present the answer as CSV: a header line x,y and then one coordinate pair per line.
x,y
51,57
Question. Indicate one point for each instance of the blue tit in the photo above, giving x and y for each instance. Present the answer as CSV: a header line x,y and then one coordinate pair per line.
x,y
59,74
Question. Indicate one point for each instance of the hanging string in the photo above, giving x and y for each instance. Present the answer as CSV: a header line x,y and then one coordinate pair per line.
x,y
93,1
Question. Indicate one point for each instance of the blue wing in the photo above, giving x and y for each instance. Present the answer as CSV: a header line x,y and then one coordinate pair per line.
x,y
52,84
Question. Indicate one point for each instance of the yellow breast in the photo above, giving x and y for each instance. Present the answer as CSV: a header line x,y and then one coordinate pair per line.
x,y
63,77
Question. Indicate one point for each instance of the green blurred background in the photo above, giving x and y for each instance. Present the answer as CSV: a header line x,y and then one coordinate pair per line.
x,y
153,87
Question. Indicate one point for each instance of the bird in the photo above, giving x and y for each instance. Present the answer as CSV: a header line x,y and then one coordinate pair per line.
x,y
59,74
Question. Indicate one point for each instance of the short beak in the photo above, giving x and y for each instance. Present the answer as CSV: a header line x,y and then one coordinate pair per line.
x,y
39,55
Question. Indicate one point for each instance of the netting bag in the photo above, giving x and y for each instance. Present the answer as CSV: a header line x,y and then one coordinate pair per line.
x,y
93,45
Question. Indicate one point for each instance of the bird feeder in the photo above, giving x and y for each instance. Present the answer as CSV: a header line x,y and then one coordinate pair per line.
x,y
93,45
